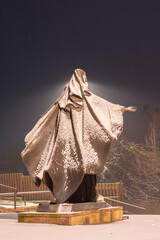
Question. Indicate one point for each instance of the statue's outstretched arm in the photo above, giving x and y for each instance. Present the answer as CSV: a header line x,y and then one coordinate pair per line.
x,y
130,109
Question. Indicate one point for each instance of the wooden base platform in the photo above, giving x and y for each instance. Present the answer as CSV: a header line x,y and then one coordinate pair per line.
x,y
98,216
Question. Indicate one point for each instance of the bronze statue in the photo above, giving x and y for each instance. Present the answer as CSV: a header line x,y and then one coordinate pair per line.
x,y
70,143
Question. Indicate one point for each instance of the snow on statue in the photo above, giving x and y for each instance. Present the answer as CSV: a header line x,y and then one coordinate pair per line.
x,y
70,143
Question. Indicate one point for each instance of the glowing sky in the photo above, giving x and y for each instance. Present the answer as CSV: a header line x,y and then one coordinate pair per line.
x,y
117,43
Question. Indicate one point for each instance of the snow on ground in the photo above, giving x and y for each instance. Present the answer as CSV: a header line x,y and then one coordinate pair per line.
x,y
137,227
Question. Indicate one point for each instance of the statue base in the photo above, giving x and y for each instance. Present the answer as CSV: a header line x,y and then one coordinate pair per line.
x,y
66,215
71,207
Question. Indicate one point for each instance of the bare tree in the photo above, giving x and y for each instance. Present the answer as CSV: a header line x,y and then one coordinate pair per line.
x,y
137,166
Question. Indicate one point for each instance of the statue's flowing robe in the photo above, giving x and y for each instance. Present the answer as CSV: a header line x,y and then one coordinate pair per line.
x,y
72,138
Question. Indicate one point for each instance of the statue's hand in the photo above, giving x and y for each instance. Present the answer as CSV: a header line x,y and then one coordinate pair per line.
x,y
130,109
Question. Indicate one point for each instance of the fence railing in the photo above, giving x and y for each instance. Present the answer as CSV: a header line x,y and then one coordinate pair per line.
x,y
111,190
14,194
25,185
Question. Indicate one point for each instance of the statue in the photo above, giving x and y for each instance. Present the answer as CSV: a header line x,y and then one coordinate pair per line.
x,y
70,143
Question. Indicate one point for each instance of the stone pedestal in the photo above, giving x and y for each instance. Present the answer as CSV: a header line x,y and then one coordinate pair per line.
x,y
73,214
71,207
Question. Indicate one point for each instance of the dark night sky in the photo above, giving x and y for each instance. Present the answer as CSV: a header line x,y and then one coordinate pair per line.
x,y
117,43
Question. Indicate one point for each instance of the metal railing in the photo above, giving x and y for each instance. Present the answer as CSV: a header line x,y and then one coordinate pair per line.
x,y
30,192
14,193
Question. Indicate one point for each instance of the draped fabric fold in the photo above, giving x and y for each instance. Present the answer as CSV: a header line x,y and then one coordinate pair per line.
x,y
72,138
